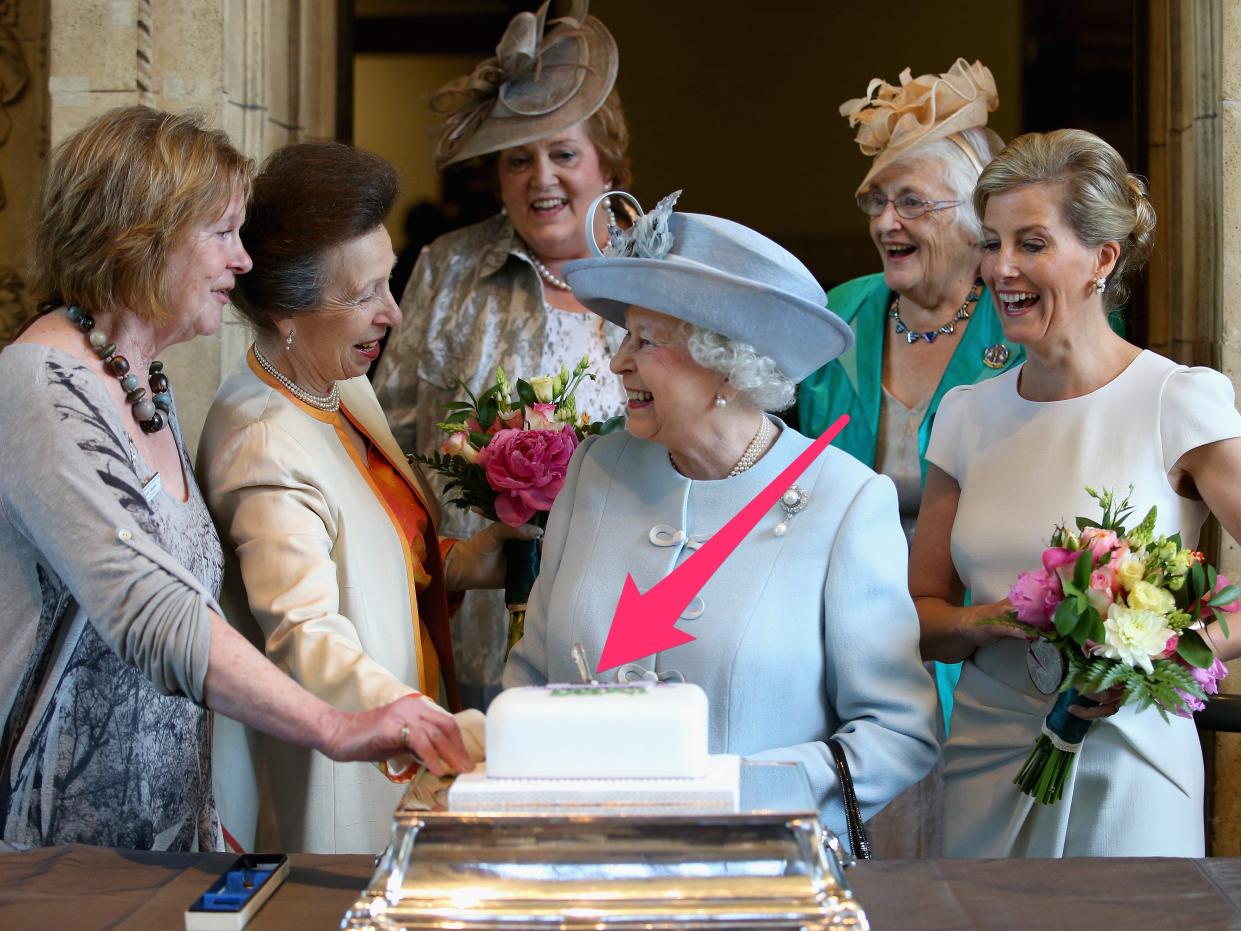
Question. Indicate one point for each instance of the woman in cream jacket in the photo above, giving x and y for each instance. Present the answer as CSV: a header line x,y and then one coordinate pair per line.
x,y
333,536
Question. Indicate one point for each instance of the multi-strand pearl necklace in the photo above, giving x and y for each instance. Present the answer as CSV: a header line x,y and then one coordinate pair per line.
x,y
755,449
753,452
329,402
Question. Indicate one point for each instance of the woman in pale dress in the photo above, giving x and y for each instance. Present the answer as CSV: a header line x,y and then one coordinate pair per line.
x,y
545,115
1066,228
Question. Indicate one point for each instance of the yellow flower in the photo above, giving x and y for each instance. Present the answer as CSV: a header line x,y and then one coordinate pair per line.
x,y
1130,570
1146,597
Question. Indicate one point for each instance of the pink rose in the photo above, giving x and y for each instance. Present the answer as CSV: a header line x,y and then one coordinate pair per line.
x,y
1104,580
527,468
1169,649
1035,597
540,416
1058,560
1101,543
458,444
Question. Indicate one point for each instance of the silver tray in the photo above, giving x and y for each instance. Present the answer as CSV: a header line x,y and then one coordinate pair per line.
x,y
768,867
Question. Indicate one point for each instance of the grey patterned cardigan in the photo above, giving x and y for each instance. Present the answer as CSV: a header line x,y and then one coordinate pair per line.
x,y
104,621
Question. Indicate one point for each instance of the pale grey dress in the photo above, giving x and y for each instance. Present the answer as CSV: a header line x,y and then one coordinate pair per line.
x,y
1023,466
107,583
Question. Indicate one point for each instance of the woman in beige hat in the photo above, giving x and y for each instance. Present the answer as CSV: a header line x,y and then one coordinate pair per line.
x,y
545,111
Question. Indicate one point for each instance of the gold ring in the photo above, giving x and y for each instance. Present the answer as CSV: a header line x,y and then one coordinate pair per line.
x,y
405,736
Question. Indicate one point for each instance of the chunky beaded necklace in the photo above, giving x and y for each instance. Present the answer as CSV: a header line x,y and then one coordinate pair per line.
x,y
752,452
329,402
149,412
963,313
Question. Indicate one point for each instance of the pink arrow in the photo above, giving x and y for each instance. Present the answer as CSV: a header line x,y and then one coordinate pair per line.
x,y
646,623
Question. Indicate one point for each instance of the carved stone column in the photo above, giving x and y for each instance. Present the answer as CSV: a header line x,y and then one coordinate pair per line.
x,y
1226,811
23,146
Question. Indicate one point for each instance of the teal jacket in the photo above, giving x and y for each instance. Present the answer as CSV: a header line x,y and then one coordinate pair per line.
x,y
851,384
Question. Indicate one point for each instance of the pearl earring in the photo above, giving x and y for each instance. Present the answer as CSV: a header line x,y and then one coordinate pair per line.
x,y
1100,285
288,342
721,401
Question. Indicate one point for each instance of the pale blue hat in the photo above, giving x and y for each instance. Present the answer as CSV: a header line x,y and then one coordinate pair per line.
x,y
716,274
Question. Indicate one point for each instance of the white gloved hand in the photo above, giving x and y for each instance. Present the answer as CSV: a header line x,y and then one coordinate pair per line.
x,y
479,561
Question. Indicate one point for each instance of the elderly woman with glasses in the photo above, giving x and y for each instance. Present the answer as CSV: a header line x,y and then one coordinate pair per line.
x,y
923,325
804,635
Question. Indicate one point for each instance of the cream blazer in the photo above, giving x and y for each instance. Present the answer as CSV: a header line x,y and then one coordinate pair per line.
x,y
327,593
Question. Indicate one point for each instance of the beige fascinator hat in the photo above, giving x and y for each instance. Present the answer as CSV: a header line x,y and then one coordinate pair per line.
x,y
893,120
537,84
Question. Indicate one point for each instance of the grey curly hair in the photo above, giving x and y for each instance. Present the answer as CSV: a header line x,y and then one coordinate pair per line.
x,y
756,377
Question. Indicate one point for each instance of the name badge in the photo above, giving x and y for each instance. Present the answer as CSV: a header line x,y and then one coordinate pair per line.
x,y
152,488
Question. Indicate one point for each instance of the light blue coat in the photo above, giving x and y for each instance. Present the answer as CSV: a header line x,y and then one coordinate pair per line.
x,y
802,636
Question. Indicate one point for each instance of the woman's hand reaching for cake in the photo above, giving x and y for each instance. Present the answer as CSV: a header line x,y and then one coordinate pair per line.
x,y
412,724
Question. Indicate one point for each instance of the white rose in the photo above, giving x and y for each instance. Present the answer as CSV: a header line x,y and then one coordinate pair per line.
x,y
1134,636
544,389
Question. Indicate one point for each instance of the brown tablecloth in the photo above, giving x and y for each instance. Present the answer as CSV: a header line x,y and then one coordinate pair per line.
x,y
89,888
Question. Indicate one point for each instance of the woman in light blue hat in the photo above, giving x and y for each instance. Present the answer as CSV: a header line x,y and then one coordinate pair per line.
x,y
806,635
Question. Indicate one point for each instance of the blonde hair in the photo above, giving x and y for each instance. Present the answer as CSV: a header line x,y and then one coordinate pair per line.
x,y
118,196
1099,197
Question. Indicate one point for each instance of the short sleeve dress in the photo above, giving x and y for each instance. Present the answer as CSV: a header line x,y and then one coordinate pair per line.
x,y
1023,467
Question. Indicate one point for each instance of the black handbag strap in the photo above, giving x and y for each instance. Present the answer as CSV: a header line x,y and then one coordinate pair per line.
x,y
858,842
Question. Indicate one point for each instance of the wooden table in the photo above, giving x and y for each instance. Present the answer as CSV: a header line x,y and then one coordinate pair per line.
x,y
89,888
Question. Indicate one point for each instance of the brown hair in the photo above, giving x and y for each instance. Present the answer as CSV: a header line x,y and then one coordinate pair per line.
x,y
608,130
116,199
1099,197
308,198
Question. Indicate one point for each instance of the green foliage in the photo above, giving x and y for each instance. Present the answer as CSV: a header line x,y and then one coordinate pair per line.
x,y
1194,650
467,483
1158,689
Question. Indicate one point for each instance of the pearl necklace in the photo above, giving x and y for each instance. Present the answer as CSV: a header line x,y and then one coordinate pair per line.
x,y
755,449
753,452
330,403
912,336
546,273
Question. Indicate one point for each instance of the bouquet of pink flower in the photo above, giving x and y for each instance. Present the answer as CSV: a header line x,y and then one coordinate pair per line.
x,y
506,456
1112,609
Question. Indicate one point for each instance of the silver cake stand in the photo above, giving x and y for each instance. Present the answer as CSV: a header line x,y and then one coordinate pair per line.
x,y
773,865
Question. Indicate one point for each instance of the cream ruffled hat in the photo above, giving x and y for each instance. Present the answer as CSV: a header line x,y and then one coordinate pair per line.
x,y
893,120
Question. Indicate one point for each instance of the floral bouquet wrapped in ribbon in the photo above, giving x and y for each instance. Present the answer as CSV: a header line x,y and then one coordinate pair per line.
x,y
506,456
1112,609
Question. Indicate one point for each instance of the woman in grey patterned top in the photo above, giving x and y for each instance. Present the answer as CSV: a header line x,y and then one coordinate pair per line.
x,y
114,642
